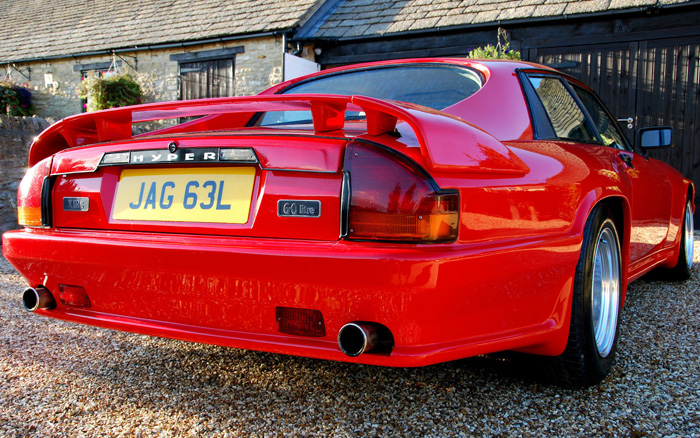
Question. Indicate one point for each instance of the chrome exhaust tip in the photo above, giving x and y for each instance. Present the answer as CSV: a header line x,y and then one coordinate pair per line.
x,y
357,338
38,298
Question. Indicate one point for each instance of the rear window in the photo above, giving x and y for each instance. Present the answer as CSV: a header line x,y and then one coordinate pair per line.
x,y
433,85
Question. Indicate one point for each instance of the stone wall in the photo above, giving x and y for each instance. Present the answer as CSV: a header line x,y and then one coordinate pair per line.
x,y
257,68
16,135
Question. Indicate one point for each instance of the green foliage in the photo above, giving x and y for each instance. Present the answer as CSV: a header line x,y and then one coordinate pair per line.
x,y
15,99
494,52
501,50
109,91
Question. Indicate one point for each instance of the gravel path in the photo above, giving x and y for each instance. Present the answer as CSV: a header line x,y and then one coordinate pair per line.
x,y
64,379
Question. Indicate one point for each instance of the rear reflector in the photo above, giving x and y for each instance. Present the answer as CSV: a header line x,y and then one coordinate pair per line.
x,y
300,322
74,296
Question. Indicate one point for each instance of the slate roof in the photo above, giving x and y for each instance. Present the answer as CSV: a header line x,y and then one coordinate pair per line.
x,y
368,18
46,28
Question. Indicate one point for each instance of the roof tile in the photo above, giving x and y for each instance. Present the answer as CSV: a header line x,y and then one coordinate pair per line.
x,y
42,28
521,12
402,15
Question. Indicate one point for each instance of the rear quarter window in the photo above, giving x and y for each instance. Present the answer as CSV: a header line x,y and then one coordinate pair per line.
x,y
567,118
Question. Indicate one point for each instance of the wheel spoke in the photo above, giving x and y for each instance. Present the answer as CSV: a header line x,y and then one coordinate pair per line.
x,y
689,228
605,291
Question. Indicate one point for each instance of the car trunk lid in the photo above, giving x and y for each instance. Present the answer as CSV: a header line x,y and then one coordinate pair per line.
x,y
281,186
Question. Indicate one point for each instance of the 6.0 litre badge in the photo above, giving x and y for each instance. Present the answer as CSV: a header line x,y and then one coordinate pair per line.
x,y
298,208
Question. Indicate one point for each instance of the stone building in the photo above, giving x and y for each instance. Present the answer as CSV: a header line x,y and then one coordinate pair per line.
x,y
175,49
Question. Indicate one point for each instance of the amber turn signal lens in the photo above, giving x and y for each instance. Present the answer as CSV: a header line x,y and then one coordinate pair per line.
x,y
436,221
29,216
29,195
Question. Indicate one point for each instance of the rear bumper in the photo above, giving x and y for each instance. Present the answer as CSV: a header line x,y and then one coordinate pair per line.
x,y
441,302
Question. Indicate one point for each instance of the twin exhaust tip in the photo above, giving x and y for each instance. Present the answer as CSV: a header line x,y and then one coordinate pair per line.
x,y
37,298
357,338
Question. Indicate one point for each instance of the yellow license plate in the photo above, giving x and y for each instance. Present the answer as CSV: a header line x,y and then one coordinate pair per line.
x,y
213,195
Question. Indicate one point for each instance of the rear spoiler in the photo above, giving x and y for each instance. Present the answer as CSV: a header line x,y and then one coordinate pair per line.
x,y
437,133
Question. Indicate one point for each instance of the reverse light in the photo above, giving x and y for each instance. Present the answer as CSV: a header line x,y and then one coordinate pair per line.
x,y
391,198
116,158
300,322
33,196
241,155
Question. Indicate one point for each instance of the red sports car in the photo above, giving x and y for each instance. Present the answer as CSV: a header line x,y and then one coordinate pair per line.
x,y
398,213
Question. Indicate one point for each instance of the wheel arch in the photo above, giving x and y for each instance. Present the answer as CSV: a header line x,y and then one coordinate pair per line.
x,y
620,211
621,215
582,361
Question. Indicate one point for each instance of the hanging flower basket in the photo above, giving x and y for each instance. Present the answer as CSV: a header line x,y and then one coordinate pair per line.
x,y
109,91
15,99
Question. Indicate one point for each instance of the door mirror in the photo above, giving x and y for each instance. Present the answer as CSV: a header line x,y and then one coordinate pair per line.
x,y
657,137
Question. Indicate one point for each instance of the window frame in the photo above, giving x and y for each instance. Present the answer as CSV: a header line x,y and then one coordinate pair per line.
x,y
542,126
589,125
206,56
626,146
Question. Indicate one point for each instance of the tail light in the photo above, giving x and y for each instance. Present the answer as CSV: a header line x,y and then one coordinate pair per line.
x,y
391,198
33,196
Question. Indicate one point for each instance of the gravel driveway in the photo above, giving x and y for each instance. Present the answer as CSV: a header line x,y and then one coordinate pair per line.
x,y
64,379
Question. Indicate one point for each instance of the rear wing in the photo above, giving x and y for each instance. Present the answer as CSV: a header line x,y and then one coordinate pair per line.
x,y
442,137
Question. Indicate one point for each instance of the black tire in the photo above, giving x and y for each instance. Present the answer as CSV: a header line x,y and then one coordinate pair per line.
x,y
684,265
590,349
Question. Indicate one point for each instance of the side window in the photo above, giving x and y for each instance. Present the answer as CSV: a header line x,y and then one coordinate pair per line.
x,y
607,127
567,118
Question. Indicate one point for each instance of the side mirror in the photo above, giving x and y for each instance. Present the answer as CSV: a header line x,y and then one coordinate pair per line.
x,y
658,137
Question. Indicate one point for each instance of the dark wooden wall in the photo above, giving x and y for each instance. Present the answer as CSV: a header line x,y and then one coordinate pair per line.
x,y
645,64
651,76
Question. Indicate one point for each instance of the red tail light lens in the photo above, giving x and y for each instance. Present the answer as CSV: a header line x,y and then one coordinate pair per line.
x,y
391,198
29,195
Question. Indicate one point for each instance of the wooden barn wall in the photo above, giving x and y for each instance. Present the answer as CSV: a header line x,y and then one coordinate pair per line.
x,y
643,65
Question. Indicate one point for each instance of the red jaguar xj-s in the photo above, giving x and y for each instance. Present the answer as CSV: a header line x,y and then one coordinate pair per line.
x,y
398,213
